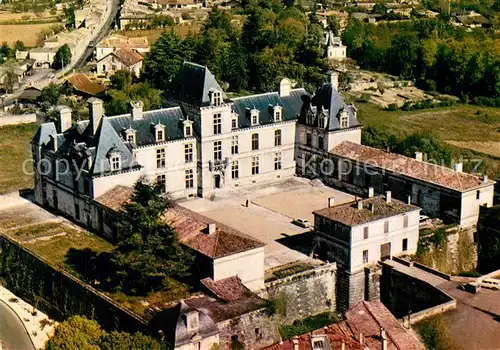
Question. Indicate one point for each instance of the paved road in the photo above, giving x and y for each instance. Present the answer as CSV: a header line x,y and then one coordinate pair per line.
x,y
13,335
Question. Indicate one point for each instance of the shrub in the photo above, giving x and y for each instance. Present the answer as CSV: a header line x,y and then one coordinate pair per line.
x,y
392,107
435,334
308,324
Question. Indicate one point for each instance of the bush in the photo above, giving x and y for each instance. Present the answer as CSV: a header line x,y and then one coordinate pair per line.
x,y
435,334
308,324
392,107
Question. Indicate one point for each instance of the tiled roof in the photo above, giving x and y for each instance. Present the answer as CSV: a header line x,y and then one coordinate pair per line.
x,y
82,83
366,319
120,41
116,197
439,175
349,214
228,289
128,56
192,231
264,103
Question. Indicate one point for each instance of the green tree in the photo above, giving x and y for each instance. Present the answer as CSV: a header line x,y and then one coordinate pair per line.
x,y
379,9
62,57
404,55
50,94
236,73
125,341
19,46
69,12
5,52
333,25
77,332
121,80
10,77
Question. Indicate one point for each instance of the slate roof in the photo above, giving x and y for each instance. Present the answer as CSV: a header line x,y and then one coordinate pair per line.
x,y
191,228
264,103
193,84
171,118
366,318
349,214
410,167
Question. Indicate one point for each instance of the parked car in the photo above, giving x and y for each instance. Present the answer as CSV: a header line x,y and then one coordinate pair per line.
x,y
301,222
491,283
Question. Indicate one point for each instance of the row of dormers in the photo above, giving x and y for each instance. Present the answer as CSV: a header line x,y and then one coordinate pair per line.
x,y
254,114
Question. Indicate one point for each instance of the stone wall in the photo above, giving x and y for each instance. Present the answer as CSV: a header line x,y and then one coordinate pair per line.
x,y
350,289
305,293
58,293
372,282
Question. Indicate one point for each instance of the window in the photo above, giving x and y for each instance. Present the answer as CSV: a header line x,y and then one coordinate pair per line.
x,y
366,232
255,165
160,132
405,244
234,123
115,162
235,170
344,120
277,137
216,98
277,161
254,115
161,183
308,139
321,143
217,150
255,142
365,256
405,221
189,178
160,158
188,152
478,195
217,124
386,227
234,145
277,110
77,211
189,131
318,344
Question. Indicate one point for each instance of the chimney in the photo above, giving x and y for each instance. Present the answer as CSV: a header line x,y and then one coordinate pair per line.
x,y
361,339
388,196
285,86
408,201
295,342
371,192
383,337
137,107
485,178
95,113
53,138
211,228
458,167
331,202
334,80
64,118
360,205
342,346
419,156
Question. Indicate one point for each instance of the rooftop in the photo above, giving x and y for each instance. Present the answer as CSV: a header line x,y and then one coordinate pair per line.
x,y
227,289
365,320
82,83
128,56
373,209
120,42
420,170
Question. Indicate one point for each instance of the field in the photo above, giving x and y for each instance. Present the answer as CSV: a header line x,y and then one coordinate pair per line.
x,y
27,33
15,149
154,34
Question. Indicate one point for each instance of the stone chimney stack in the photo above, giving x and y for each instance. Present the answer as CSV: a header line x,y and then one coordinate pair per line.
x,y
334,80
419,156
485,178
458,167
285,86
212,228
295,342
64,118
371,192
96,111
360,205
331,202
137,109
388,196
383,337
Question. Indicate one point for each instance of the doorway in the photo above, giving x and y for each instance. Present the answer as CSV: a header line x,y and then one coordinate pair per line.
x,y
385,251
217,181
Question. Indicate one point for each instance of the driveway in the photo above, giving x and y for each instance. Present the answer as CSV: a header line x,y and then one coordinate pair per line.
x,y
13,335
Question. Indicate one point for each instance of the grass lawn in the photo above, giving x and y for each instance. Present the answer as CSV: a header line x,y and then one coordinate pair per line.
x,y
154,34
15,148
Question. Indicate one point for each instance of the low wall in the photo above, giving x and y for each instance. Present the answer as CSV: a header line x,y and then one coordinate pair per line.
x,y
431,270
14,119
58,293
432,311
402,261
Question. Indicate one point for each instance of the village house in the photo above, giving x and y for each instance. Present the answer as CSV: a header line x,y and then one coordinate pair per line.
x,y
335,50
116,42
122,59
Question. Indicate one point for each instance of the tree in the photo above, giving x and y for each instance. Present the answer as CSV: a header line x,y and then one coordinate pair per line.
x,y
19,46
77,332
50,94
10,78
333,25
121,80
62,57
125,341
379,9
5,52
236,73
404,55
70,16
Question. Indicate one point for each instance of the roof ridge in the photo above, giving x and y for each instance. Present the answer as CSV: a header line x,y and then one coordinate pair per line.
x,y
367,307
254,95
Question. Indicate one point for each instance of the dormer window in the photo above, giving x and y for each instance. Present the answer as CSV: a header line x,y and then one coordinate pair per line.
x,y
344,119
115,161
192,321
216,98
278,113
188,128
234,121
130,135
160,132
254,116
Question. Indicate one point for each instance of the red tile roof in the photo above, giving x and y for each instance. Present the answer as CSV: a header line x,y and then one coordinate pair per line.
x,y
366,319
192,231
228,289
349,214
82,83
116,197
439,175
128,57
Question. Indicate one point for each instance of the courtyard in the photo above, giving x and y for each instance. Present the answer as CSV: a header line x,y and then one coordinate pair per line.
x,y
269,215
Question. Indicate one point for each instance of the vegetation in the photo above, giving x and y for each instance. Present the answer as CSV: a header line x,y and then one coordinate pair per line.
x,y
433,52
62,57
50,94
307,324
78,332
435,334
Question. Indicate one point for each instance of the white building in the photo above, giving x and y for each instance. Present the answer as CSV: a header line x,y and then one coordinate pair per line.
x,y
360,233
335,50
116,42
122,59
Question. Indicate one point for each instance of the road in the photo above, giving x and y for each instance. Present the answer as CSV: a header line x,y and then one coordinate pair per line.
x,y
13,335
